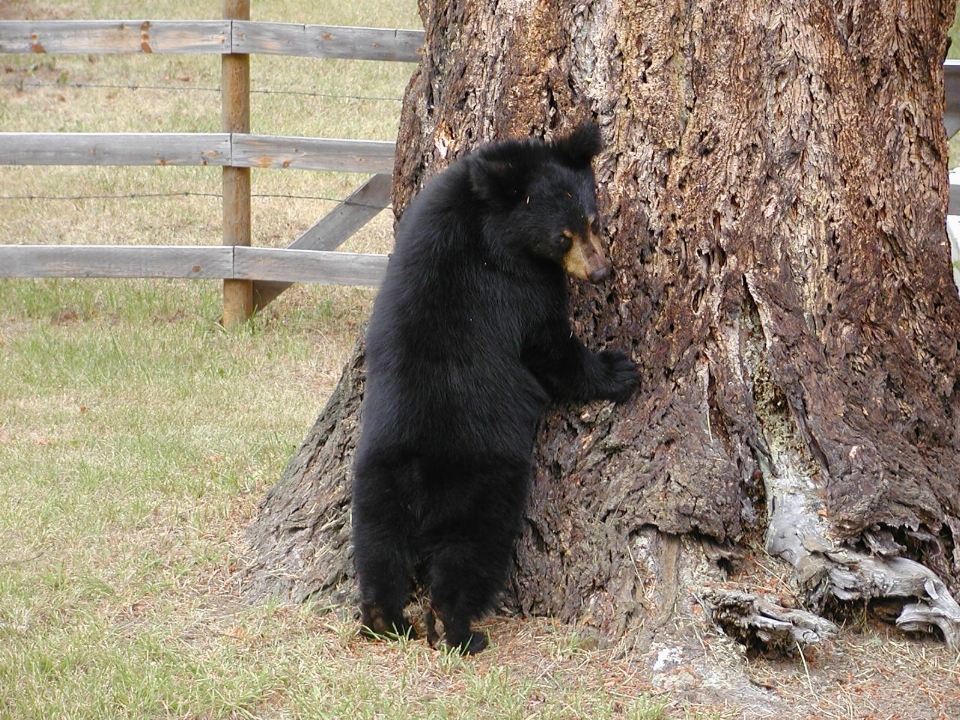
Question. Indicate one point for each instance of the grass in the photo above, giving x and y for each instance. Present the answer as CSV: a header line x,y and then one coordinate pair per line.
x,y
136,437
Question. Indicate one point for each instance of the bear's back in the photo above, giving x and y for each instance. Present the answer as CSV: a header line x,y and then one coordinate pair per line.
x,y
445,339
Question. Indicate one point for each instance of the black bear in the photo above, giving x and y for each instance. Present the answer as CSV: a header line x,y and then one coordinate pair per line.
x,y
468,342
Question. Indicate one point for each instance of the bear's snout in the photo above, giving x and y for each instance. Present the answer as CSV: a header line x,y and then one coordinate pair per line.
x,y
585,259
600,274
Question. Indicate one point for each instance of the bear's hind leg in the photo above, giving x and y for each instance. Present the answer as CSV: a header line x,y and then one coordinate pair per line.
x,y
468,553
385,575
465,577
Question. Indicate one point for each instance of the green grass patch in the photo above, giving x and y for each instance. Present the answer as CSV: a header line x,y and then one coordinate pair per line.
x,y
135,438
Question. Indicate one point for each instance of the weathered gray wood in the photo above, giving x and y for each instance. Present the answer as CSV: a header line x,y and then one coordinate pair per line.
x,y
236,150
111,261
954,206
114,149
333,229
951,89
103,37
799,532
856,576
268,151
759,622
327,41
331,268
215,262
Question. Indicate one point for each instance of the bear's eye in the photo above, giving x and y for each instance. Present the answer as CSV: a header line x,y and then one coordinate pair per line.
x,y
594,223
566,241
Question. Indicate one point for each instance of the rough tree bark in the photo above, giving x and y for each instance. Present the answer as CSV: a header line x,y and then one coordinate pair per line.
x,y
775,187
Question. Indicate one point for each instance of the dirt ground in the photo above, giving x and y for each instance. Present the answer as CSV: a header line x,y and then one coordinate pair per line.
x,y
871,672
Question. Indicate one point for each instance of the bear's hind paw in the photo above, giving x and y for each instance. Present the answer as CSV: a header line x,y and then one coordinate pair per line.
x,y
474,642
374,625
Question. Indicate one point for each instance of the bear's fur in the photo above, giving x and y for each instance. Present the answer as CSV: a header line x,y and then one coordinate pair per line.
x,y
468,343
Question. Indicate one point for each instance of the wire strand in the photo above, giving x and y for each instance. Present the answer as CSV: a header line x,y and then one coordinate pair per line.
x,y
329,96
118,196
188,193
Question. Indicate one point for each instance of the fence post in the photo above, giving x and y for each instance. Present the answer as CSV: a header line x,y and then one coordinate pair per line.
x,y
235,118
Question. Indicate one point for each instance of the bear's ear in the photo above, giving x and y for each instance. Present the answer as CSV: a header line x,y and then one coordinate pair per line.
x,y
577,149
498,179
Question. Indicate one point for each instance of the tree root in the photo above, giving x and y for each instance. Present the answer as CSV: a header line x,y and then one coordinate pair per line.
x,y
764,626
825,570
852,575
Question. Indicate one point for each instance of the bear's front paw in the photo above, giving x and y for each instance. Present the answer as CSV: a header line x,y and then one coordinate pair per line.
x,y
620,375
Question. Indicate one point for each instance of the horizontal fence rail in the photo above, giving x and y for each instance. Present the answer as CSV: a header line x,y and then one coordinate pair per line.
x,y
219,262
219,149
326,41
107,37
951,91
310,258
243,37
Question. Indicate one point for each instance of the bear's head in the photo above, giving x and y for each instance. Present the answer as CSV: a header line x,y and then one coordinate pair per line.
x,y
541,199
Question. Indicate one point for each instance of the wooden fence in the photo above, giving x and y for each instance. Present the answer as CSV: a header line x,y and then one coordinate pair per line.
x,y
252,276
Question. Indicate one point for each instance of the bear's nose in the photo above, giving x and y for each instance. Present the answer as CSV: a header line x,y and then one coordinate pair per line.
x,y
600,274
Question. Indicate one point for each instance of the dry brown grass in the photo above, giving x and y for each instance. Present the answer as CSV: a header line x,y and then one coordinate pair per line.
x,y
872,671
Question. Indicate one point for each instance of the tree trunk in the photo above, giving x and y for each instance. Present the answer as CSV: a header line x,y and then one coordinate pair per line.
x,y
774,185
